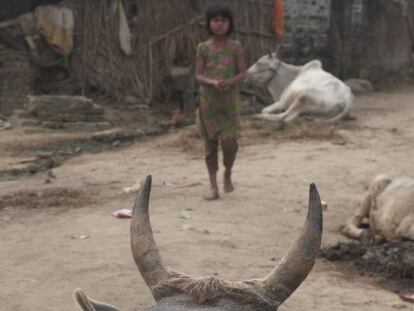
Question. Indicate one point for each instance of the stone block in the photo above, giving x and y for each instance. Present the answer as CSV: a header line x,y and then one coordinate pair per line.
x,y
87,126
29,122
52,125
49,105
95,118
96,109
22,114
52,118
117,134
74,117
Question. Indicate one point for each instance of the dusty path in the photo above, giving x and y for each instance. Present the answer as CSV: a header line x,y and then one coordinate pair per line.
x,y
43,257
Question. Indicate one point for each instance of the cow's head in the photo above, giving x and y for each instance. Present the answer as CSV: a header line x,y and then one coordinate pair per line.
x,y
177,292
263,71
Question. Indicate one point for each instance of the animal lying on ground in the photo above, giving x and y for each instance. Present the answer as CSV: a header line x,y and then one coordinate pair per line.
x,y
299,90
388,206
178,292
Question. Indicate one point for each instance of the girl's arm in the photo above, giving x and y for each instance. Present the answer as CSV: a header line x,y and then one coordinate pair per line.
x,y
241,66
199,70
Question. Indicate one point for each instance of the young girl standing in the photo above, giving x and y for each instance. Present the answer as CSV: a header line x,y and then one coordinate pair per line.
x,y
220,66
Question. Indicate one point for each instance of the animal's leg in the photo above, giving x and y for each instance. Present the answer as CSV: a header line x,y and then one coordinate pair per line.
x,y
352,228
406,228
294,110
273,108
341,115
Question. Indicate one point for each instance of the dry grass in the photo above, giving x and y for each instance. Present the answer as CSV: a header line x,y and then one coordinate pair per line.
x,y
256,132
187,140
259,131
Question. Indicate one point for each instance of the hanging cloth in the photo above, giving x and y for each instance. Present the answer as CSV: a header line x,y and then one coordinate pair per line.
x,y
279,19
56,25
124,31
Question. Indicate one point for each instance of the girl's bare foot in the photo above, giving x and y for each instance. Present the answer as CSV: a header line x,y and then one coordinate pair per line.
x,y
228,185
212,194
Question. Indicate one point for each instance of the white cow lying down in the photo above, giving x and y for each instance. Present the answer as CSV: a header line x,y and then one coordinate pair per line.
x,y
306,89
388,205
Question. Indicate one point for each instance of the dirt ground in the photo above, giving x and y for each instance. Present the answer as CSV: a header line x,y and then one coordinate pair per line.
x,y
57,231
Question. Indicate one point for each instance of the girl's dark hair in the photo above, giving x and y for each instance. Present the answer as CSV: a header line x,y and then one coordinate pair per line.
x,y
222,11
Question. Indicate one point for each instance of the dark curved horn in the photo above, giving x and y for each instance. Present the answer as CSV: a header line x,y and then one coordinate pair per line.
x,y
144,249
294,267
88,304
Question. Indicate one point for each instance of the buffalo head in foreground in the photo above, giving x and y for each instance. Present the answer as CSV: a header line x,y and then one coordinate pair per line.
x,y
178,292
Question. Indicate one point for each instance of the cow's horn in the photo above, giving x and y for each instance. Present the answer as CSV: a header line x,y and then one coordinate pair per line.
x,y
144,249
282,281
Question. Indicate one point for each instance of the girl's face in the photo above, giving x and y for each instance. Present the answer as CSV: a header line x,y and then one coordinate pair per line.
x,y
219,25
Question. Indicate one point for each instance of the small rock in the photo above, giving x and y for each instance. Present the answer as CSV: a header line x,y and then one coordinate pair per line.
x,y
95,118
82,237
187,227
398,305
52,125
70,117
140,132
5,125
96,110
115,134
51,175
168,184
44,155
139,107
184,215
29,122
130,100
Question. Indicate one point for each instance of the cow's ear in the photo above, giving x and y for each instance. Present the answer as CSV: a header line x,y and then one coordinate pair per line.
x,y
87,304
274,63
